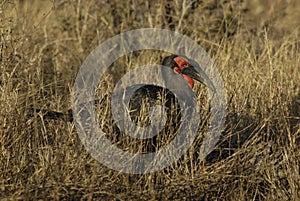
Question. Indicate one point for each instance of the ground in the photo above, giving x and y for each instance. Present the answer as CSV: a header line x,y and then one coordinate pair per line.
x,y
255,46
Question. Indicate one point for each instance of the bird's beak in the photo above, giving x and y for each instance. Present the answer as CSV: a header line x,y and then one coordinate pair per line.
x,y
200,77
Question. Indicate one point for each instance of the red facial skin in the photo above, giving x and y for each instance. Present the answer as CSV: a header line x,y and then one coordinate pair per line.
x,y
183,63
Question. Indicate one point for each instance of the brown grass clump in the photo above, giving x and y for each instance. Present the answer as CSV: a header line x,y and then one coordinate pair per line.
x,y
43,44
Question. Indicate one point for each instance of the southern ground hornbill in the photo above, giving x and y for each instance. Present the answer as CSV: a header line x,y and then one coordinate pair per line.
x,y
143,99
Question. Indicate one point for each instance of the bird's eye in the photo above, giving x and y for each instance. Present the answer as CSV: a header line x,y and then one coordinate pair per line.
x,y
184,65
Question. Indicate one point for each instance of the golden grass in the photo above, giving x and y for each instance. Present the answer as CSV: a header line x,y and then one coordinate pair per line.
x,y
44,43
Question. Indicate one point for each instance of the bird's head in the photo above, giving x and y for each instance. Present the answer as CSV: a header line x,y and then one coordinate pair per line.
x,y
186,68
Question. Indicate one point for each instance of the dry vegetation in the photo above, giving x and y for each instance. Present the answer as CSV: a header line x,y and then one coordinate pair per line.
x,y
255,46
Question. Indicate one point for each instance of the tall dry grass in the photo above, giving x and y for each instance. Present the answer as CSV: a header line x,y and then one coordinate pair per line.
x,y
43,44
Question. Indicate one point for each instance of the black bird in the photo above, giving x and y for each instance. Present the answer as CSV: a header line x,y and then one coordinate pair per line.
x,y
149,95
152,94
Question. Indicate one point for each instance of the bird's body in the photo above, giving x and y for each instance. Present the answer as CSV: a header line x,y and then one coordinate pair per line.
x,y
145,98
149,95
140,106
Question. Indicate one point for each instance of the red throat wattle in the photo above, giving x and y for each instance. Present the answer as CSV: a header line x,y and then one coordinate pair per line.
x,y
189,80
183,63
